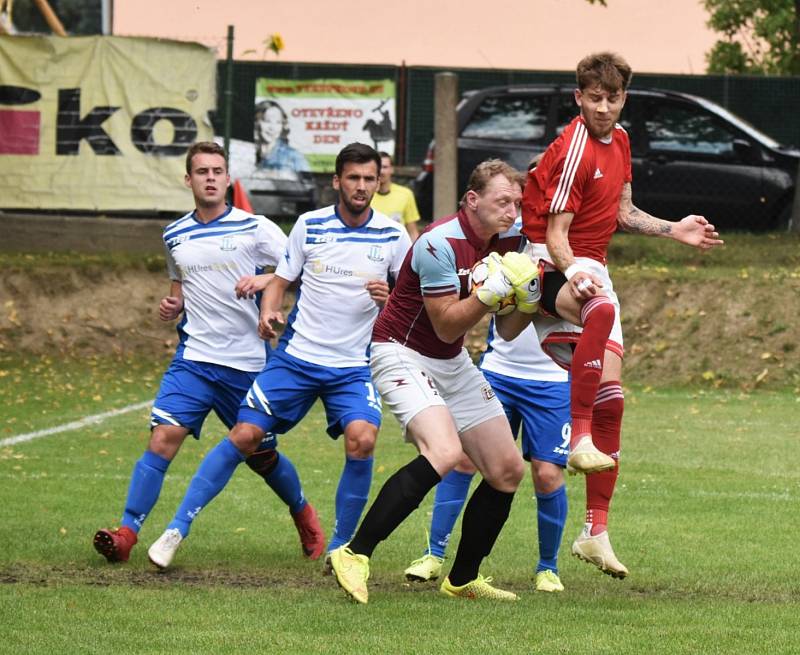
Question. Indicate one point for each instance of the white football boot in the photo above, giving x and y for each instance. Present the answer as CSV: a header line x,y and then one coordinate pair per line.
x,y
164,548
597,550
586,458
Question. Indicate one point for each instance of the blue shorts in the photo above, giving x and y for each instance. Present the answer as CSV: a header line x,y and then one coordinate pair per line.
x,y
286,389
543,410
190,390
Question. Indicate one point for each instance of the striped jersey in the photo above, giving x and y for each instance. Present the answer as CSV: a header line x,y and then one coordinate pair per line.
x,y
208,259
331,322
438,264
584,176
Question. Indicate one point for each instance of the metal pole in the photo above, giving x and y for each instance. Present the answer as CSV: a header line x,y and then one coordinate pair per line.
x,y
400,134
445,179
228,103
106,10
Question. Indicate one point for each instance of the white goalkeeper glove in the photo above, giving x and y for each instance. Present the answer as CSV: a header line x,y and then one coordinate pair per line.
x,y
496,286
523,274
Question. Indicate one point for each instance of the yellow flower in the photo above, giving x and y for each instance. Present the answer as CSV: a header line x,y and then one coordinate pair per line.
x,y
275,43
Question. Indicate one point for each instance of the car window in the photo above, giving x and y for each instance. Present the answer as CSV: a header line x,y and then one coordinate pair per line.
x,y
509,118
567,110
675,128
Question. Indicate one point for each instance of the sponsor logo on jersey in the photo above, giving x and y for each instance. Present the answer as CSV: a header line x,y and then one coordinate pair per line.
x,y
186,271
597,173
174,241
319,267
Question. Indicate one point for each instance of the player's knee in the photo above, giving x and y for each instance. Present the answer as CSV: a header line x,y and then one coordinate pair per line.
x,y
547,477
246,437
516,472
444,455
508,473
599,311
359,443
166,440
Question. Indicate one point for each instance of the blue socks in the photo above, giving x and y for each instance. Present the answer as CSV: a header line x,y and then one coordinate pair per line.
x,y
145,486
351,497
285,482
213,474
451,494
551,514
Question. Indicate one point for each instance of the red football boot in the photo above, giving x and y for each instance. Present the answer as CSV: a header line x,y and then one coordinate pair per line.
x,y
312,538
115,545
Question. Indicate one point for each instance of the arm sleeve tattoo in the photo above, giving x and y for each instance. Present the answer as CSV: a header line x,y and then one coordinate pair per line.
x,y
632,219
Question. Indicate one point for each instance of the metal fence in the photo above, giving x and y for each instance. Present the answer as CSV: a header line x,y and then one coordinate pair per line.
x,y
766,102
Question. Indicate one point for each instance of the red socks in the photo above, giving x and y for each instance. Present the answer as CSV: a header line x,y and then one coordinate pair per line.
x,y
606,427
597,317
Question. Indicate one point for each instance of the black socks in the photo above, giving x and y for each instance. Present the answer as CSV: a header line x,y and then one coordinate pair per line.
x,y
400,495
484,517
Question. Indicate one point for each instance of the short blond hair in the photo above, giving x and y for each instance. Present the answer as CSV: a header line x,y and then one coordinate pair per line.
x,y
484,172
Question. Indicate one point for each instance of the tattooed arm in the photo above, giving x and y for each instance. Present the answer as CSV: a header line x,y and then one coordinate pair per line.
x,y
692,230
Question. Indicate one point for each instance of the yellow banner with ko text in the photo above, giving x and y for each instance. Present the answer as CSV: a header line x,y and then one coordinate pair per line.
x,y
101,123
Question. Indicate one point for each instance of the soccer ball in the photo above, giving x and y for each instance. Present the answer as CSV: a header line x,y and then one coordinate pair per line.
x,y
477,276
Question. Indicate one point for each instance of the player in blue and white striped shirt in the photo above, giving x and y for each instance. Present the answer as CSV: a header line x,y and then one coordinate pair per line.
x,y
341,256
213,255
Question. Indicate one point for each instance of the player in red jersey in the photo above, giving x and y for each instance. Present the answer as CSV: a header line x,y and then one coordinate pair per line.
x,y
425,376
574,200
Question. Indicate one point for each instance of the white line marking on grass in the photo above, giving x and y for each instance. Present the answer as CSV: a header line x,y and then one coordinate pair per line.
x,y
74,425
23,476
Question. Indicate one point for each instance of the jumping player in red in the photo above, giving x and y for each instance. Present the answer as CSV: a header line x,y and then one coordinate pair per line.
x,y
574,200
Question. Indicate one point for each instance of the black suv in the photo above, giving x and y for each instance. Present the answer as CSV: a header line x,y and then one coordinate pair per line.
x,y
689,154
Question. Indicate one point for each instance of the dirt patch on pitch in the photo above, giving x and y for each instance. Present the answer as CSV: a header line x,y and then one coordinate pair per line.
x,y
734,332
121,574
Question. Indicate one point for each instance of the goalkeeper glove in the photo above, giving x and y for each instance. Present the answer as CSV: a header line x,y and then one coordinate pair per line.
x,y
496,286
523,274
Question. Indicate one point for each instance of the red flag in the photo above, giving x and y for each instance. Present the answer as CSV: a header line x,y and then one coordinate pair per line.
x,y
240,198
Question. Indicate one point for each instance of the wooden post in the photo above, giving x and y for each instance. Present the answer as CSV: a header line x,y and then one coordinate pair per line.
x,y
445,134
50,17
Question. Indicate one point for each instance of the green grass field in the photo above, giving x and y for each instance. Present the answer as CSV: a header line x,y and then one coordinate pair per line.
x,y
705,518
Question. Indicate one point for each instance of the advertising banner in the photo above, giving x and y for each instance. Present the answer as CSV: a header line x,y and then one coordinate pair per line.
x,y
101,123
300,125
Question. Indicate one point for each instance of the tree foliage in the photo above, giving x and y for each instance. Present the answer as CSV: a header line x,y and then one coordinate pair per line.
x,y
759,36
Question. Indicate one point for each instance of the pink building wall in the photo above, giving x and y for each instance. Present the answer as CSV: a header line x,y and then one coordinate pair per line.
x,y
656,36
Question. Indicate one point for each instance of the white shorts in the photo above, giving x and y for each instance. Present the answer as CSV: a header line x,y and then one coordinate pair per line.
x,y
557,335
409,382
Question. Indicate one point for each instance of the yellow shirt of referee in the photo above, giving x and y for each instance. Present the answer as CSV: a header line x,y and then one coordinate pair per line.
x,y
395,200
